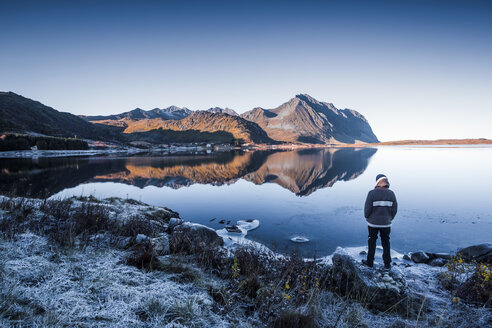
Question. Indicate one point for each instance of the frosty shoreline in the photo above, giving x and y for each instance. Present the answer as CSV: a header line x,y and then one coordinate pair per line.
x,y
95,152
91,284
65,153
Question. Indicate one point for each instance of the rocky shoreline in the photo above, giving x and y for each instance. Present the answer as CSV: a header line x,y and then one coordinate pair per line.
x,y
122,262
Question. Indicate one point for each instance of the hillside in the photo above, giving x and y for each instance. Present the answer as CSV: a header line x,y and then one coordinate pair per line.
x,y
19,114
306,120
201,121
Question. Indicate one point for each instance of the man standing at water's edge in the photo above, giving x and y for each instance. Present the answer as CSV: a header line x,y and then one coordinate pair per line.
x,y
380,210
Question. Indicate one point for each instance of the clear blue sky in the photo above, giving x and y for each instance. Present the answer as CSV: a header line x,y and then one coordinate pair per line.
x,y
415,69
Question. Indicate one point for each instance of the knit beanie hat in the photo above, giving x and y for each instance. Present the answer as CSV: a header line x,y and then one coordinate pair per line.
x,y
380,177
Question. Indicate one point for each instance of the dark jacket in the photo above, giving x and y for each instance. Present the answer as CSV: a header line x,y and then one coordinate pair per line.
x,y
380,208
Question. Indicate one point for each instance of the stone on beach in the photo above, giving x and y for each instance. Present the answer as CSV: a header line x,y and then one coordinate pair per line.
x,y
187,236
479,253
233,228
420,257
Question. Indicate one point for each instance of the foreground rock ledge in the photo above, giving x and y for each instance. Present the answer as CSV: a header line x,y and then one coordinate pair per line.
x,y
374,288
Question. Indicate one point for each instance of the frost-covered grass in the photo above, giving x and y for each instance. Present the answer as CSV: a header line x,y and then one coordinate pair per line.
x,y
43,285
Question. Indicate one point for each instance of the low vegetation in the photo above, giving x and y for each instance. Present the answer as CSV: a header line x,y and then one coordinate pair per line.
x,y
70,220
469,282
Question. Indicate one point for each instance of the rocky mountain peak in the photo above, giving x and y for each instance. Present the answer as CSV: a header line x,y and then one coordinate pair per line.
x,y
226,110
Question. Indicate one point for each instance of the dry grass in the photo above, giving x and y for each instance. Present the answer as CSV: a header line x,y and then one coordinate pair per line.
x,y
70,221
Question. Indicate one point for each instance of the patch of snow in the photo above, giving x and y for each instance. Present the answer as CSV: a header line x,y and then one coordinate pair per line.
x,y
191,225
233,239
248,225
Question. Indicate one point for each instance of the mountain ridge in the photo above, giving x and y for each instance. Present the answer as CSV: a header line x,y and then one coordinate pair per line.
x,y
307,120
203,121
300,120
169,113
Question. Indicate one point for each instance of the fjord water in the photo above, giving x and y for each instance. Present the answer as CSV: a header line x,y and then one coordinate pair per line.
x,y
444,193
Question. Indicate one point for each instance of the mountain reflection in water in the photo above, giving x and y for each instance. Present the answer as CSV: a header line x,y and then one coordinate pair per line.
x,y
301,171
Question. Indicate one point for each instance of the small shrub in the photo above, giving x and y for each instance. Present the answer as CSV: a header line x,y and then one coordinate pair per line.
x,y
144,257
294,319
471,283
134,226
250,286
220,296
154,307
183,311
70,222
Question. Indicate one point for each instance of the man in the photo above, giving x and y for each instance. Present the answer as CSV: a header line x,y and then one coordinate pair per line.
x,y
380,210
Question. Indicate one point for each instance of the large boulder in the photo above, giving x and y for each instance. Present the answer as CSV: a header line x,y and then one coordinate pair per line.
x,y
188,236
420,257
376,289
479,253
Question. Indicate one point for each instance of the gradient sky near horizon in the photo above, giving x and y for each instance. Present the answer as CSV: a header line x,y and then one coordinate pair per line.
x,y
415,69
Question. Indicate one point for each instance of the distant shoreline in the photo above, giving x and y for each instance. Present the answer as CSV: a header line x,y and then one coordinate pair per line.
x,y
480,141
437,142
134,151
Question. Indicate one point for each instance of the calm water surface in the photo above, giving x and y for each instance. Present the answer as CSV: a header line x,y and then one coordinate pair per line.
x,y
444,194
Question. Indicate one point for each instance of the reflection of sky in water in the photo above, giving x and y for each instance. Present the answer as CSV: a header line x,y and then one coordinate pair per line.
x,y
443,194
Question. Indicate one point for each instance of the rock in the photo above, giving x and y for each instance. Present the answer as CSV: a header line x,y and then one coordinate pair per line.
x,y
438,262
420,257
188,236
479,253
406,257
363,253
173,222
161,244
233,229
444,256
222,221
141,239
377,289
101,239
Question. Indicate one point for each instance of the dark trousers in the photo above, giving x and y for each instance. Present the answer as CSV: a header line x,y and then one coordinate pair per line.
x,y
385,241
